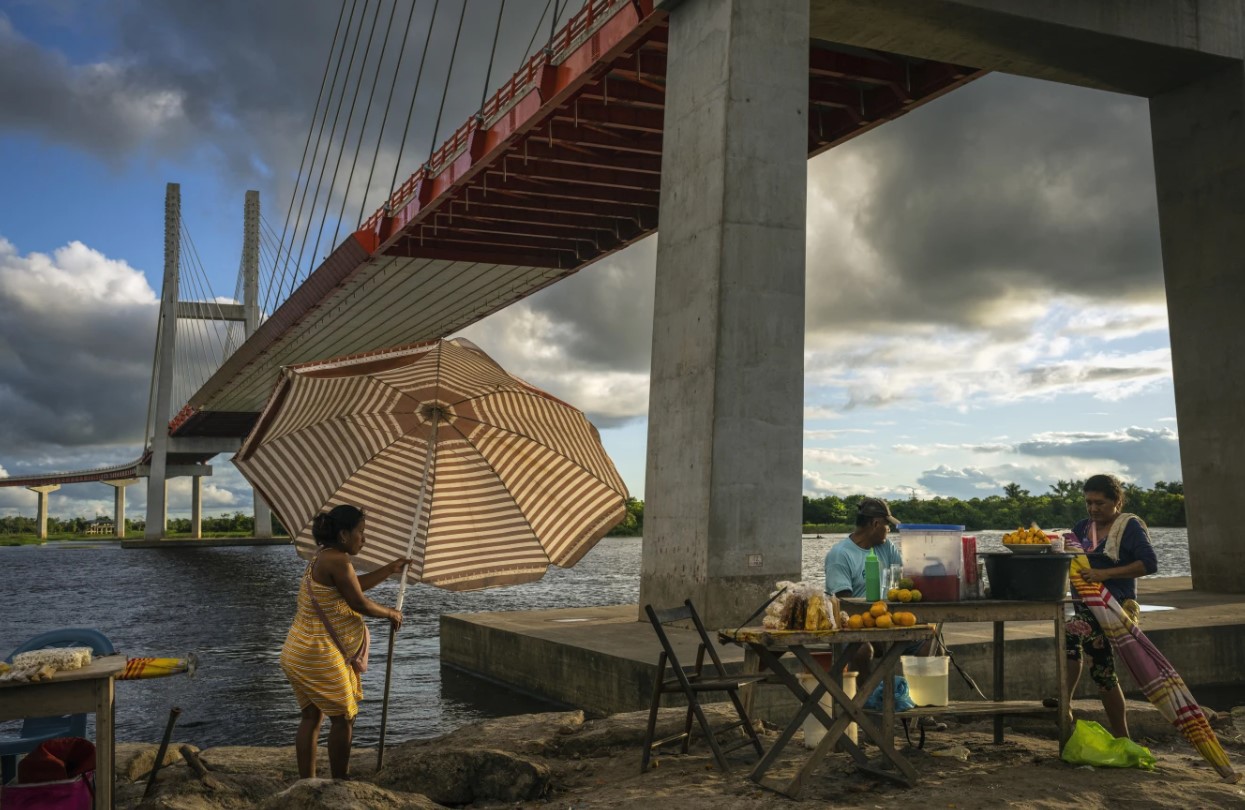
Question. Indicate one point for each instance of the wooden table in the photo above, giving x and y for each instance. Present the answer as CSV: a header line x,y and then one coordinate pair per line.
x,y
770,646
75,691
998,611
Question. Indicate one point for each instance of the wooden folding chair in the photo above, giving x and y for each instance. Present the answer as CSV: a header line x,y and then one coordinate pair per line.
x,y
692,686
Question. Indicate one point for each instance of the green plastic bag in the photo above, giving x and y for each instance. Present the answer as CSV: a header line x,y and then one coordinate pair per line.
x,y
1091,744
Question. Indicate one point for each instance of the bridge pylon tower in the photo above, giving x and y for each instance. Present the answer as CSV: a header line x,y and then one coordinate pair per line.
x,y
173,456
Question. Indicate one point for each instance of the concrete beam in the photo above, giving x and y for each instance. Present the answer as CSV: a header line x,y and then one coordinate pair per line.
x,y
722,501
43,506
1142,49
204,444
196,507
118,502
176,470
210,311
1198,133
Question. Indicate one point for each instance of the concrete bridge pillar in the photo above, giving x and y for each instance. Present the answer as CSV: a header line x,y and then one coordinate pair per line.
x,y
196,507
118,502
1199,165
43,507
722,495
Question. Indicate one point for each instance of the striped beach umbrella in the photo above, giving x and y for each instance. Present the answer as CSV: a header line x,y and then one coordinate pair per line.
x,y
481,478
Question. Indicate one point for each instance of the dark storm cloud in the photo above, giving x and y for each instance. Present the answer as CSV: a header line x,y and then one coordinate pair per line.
x,y
1005,189
75,352
1144,455
238,81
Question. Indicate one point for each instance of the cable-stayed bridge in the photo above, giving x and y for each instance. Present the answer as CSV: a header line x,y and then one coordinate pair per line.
x,y
560,167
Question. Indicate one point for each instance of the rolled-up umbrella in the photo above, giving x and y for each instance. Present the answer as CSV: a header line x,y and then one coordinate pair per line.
x,y
1151,670
479,477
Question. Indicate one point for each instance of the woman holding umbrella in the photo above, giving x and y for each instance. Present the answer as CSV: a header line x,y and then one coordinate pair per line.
x,y
326,648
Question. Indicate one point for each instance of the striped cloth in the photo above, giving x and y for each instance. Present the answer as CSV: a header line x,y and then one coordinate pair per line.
x,y
1160,682
311,661
515,478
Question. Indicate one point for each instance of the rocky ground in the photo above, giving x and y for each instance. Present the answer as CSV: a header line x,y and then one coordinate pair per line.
x,y
560,760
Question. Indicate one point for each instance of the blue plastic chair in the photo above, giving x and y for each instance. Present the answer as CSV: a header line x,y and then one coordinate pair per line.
x,y
38,729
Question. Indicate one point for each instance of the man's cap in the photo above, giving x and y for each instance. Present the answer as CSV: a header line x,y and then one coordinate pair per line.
x,y
876,507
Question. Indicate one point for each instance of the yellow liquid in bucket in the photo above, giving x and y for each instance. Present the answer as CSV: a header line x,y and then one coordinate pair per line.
x,y
928,690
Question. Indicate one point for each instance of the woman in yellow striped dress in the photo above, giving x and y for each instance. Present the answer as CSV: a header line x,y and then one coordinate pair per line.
x,y
315,657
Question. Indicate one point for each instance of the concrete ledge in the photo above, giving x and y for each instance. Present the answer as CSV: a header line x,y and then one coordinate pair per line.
x,y
603,660
205,542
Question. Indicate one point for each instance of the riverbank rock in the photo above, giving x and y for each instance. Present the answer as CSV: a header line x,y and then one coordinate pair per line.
x,y
280,763
600,738
463,775
327,794
134,760
531,734
178,788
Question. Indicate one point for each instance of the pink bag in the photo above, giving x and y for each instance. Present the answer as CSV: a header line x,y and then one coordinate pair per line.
x,y
71,794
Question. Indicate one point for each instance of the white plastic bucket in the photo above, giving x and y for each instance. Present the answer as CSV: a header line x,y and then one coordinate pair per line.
x,y
927,679
814,731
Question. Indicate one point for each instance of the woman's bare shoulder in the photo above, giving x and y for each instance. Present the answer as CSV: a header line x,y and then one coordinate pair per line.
x,y
330,565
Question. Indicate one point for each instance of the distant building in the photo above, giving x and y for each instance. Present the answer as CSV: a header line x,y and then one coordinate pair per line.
x,y
102,526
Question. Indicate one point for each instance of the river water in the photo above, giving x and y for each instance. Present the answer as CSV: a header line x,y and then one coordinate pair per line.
x,y
232,607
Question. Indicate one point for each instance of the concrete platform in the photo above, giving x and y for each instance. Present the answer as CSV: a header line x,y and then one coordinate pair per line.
x,y
204,542
603,659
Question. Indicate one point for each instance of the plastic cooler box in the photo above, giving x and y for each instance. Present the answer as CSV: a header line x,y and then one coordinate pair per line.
x,y
933,558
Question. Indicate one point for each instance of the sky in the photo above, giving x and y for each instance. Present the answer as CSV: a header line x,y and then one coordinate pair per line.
x,y
985,299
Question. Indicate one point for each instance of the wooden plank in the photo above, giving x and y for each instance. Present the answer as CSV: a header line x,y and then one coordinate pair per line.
x,y
978,610
98,668
975,708
823,638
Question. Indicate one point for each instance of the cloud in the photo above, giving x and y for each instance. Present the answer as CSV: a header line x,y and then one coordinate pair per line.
x,y
825,456
75,350
1140,455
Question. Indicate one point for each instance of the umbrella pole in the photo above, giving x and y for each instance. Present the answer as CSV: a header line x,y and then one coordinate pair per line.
x,y
410,547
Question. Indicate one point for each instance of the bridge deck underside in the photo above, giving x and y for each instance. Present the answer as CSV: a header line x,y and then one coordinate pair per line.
x,y
564,173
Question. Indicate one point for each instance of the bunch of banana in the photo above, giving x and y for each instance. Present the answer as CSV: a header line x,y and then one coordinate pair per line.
x,y
1030,536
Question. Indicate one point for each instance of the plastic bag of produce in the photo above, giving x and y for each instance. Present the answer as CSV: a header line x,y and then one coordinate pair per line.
x,y
903,697
1091,744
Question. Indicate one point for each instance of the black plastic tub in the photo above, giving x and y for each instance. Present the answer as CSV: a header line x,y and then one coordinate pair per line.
x,y
1027,577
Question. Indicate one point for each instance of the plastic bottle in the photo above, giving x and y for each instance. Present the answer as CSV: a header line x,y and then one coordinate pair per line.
x,y
873,578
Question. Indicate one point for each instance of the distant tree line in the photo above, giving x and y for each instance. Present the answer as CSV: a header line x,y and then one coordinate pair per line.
x,y
1062,506
633,524
238,523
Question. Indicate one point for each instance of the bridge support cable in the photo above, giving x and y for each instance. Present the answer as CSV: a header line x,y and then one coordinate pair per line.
x,y
492,54
419,76
319,96
397,70
436,130
367,112
315,152
328,151
341,152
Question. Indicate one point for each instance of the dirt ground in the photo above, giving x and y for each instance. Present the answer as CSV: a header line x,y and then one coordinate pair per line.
x,y
1023,772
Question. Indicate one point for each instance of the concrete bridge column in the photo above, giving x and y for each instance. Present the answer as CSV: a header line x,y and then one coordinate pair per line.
x,y
118,502
263,517
43,491
722,495
1199,166
196,507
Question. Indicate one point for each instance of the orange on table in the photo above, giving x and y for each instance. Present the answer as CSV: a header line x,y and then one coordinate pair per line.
x,y
885,621
905,595
877,609
868,619
855,622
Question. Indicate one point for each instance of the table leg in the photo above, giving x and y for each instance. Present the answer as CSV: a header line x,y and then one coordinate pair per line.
x,y
747,693
1061,675
105,743
888,706
998,679
808,701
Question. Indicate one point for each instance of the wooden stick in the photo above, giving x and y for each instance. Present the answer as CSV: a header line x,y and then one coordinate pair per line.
x,y
164,746
384,706
201,771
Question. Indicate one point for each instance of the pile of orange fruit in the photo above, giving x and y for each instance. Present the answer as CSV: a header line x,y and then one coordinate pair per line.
x,y
879,616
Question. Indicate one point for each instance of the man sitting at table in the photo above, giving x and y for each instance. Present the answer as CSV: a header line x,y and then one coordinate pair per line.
x,y
845,572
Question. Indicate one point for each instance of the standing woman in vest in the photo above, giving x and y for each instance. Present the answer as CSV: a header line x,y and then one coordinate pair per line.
x,y
1120,545
327,643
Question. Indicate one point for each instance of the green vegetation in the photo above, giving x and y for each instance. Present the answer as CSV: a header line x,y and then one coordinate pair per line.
x,y
1163,505
1062,506
16,530
633,524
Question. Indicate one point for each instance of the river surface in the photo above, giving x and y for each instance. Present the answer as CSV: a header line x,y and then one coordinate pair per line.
x,y
232,607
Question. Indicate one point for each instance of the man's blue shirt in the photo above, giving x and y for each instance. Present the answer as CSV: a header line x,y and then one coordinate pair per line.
x,y
845,565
